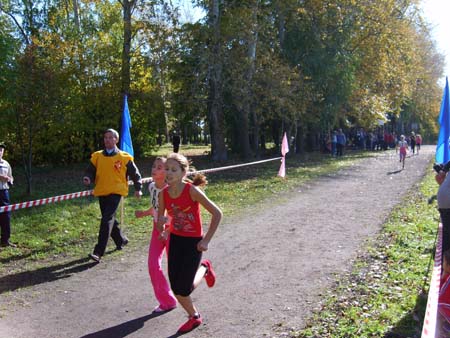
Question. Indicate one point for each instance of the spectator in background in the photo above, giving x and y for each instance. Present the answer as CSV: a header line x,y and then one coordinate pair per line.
x,y
176,142
333,143
418,142
341,142
380,141
109,169
412,142
6,181
394,139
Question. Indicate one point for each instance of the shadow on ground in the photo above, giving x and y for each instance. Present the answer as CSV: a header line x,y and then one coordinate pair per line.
x,y
394,172
411,324
47,274
126,328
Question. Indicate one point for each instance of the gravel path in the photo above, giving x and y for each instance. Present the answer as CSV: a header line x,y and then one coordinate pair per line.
x,y
273,264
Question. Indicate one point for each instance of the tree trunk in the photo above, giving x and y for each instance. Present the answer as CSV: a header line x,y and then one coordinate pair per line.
x,y
127,10
76,14
215,99
248,99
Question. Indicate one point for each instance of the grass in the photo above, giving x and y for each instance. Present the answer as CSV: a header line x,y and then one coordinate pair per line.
x,y
382,296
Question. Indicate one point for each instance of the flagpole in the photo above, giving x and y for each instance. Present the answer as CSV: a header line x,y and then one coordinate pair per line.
x,y
122,211
125,144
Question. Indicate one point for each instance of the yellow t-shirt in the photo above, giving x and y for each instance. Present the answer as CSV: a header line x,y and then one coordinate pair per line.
x,y
111,172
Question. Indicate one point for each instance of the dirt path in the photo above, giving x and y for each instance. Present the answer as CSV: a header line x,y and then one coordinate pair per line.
x,y
273,265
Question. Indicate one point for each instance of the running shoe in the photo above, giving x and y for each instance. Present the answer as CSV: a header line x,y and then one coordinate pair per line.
x,y
160,309
191,324
210,275
94,257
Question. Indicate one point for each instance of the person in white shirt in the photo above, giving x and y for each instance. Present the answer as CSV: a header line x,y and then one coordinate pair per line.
x,y
6,181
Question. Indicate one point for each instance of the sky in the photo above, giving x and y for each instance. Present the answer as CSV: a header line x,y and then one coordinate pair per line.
x,y
437,14
188,11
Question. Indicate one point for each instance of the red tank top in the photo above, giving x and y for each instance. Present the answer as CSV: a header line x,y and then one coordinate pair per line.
x,y
184,213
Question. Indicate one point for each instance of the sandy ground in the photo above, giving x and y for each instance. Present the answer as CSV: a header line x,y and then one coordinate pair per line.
x,y
273,264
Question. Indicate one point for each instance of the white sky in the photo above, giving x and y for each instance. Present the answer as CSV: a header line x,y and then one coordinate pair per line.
x,y
437,14
188,11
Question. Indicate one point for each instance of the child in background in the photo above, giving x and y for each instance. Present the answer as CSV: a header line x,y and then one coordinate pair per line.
x,y
403,146
418,142
158,243
444,296
182,200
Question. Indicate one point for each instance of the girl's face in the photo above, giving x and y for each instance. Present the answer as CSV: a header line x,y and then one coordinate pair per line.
x,y
174,172
158,170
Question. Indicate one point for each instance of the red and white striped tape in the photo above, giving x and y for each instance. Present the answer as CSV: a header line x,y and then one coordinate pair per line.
x,y
60,198
429,322
230,166
43,201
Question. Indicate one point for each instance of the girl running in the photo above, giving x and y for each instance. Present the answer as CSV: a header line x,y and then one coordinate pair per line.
x,y
182,200
158,243
403,146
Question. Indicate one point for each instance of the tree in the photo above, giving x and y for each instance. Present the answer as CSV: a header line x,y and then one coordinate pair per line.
x,y
215,98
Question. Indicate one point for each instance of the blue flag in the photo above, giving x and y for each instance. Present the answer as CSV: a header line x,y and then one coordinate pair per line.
x,y
442,148
125,142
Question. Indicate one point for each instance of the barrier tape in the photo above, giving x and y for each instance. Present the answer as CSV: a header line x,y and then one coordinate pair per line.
x,y
66,197
43,201
231,166
429,322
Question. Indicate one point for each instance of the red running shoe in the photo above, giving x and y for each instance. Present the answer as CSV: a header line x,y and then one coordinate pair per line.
x,y
191,324
210,275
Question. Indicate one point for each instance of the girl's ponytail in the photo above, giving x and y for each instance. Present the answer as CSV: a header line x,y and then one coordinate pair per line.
x,y
199,180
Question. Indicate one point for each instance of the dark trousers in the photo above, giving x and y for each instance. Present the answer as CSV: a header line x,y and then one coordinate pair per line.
x,y
339,149
109,226
445,220
5,217
184,260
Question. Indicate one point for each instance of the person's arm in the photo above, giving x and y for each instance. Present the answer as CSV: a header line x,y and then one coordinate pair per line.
x,y
160,224
8,177
5,178
89,174
135,175
142,213
216,215
440,177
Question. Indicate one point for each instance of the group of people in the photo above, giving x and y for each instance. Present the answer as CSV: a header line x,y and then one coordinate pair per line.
x,y
336,142
175,207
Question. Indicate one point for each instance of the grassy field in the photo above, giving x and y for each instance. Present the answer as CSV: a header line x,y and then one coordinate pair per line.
x,y
379,297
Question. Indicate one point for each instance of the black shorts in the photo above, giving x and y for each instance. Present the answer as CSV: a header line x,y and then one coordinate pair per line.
x,y
184,260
